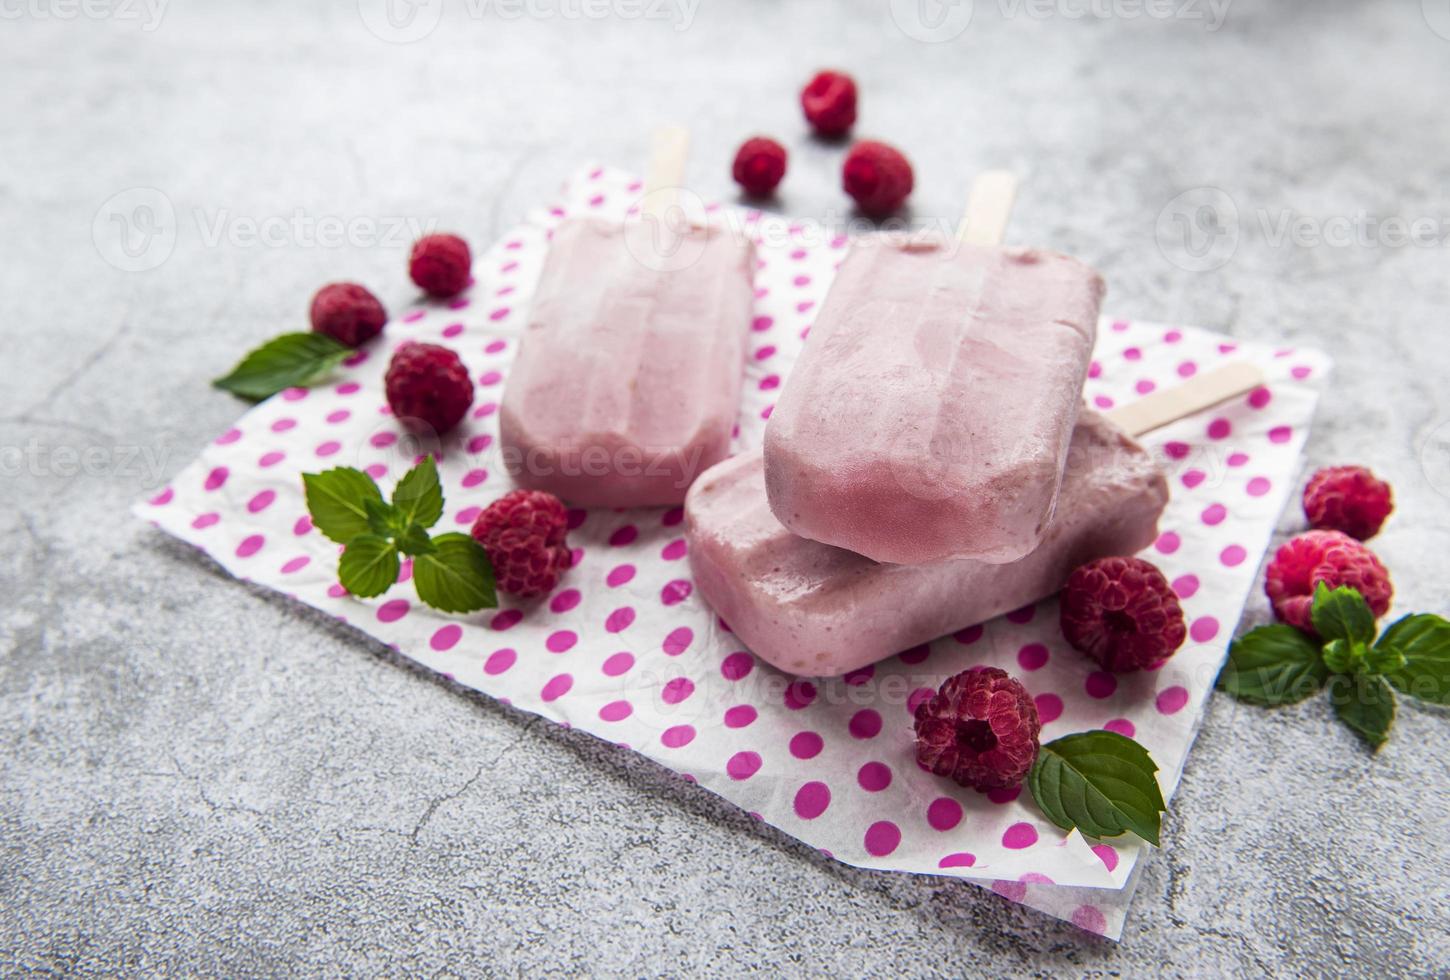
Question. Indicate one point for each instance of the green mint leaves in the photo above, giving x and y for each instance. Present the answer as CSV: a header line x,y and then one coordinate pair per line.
x,y
450,571
1100,783
293,360
1279,664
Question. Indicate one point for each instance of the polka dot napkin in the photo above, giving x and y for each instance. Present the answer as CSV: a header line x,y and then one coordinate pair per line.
x,y
626,650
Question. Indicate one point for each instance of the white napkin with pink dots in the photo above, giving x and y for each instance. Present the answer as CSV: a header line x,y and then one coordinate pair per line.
x,y
625,650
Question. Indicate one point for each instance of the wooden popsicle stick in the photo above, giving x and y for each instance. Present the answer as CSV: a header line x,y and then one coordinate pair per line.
x,y
1171,404
668,150
989,206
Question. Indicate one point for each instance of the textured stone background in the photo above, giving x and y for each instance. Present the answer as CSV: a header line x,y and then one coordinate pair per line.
x,y
199,777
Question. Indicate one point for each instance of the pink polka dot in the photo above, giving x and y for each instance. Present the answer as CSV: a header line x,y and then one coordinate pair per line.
x,y
959,860
1185,586
271,459
944,813
882,837
619,620
1102,402
859,676
1258,486
383,440
393,610
1260,397
865,723
1219,429
915,655
341,415
1018,836
1300,371
1133,354
296,565
677,736
761,323
616,711
1095,370
1176,450
565,600
479,443
740,716
1187,369
673,516
1107,855
806,745
490,378
377,471
1100,684
1144,387
228,437
1122,726
1232,555
250,545
618,663
743,765
619,575
1204,628
294,394
1171,700
799,694
446,637
1214,514
1089,918
1022,615
1167,542
561,640
1004,794
505,619
1032,656
969,635
624,536
678,641
673,551
1192,478
676,690
557,687
676,592
216,478
1049,707
1281,433
915,699
283,425
811,800
468,515
204,521
737,665
328,448
474,477
303,525
1237,459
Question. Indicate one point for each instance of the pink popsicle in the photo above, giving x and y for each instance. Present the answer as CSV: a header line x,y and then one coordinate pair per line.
x,y
813,609
627,382
929,414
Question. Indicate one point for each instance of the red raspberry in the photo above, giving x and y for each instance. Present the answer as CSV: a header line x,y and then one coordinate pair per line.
x,y
877,177
980,729
523,533
829,101
759,165
1348,499
441,265
1122,613
347,313
1323,556
428,387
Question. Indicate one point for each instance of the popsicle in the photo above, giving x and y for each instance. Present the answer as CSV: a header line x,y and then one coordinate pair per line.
x,y
930,412
810,608
627,380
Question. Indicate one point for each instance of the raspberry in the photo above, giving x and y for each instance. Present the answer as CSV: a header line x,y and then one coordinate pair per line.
x,y
347,313
980,729
428,387
1323,556
523,533
877,177
829,101
759,165
440,265
1348,499
1122,613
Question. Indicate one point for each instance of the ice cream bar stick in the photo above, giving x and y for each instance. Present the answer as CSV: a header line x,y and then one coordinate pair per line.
x,y
988,208
670,146
1171,404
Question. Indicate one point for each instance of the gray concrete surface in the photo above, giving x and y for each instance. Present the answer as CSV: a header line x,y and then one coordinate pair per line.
x,y
199,778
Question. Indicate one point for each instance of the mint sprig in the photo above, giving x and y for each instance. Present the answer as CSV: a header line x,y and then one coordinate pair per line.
x,y
1100,783
293,360
1278,664
451,571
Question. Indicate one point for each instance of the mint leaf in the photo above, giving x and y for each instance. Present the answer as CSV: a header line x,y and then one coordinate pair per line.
x,y
1101,783
456,576
1424,641
1383,660
1273,665
1343,656
414,541
369,566
383,519
337,500
1366,704
1342,614
292,360
418,495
